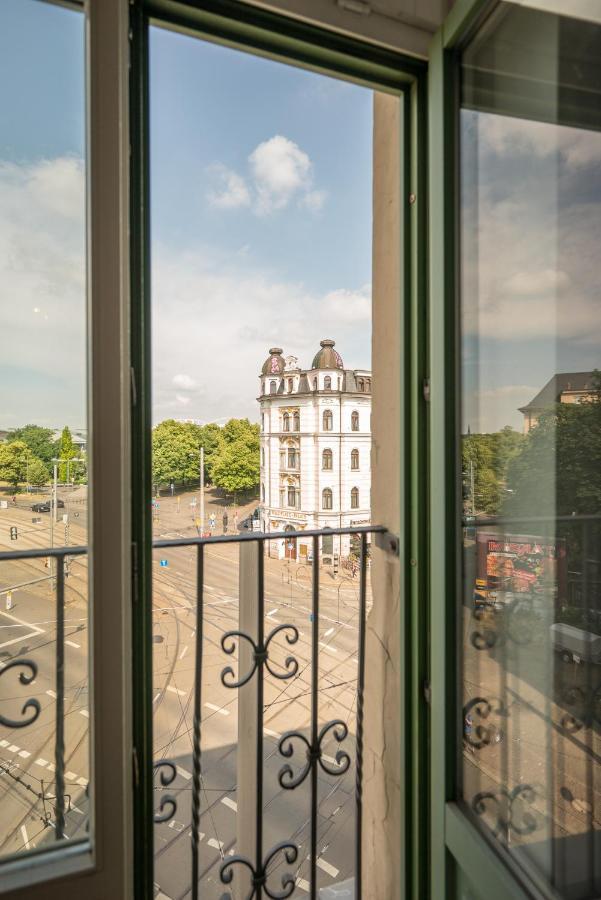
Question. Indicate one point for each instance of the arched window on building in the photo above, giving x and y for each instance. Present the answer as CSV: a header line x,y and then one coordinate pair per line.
x,y
327,383
296,421
328,420
360,384
290,385
293,496
292,458
355,498
272,387
286,422
368,384
315,384
326,498
355,421
354,459
326,459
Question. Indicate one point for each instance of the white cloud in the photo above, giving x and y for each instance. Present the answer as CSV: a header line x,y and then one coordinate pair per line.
x,y
352,307
183,401
233,192
279,171
184,382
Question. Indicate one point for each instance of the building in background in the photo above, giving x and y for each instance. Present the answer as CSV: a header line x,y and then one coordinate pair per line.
x,y
315,450
565,387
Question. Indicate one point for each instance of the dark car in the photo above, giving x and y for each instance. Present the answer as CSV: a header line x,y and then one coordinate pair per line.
x,y
45,505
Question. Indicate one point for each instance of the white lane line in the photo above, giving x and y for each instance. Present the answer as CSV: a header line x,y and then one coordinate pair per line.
x,y
227,801
73,644
326,867
273,612
24,754
156,697
303,885
328,647
218,709
84,712
4,743
184,773
25,836
218,845
51,694
24,637
13,748
71,776
273,734
329,632
175,690
41,762
184,651
51,767
82,782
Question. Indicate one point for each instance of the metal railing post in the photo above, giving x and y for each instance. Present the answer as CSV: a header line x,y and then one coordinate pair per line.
x,y
196,747
60,699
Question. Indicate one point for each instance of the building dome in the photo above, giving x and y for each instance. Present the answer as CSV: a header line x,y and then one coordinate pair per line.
x,y
274,364
327,357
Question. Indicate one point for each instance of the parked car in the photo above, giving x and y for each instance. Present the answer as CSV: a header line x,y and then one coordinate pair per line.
x,y
575,644
45,506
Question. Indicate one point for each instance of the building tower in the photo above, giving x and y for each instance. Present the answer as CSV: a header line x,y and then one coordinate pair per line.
x,y
315,450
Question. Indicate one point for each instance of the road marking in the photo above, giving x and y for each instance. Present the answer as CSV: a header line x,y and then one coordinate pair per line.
x,y
4,743
336,810
51,767
175,690
218,845
273,734
25,836
13,748
330,759
24,637
41,762
25,754
303,885
185,774
184,651
329,632
328,647
156,697
219,709
73,644
82,782
84,712
327,868
51,694
227,801
273,612
71,776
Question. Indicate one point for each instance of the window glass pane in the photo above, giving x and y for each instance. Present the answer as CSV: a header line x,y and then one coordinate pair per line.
x,y
530,608
44,725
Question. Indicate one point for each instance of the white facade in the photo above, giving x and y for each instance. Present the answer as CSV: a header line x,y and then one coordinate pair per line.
x,y
315,450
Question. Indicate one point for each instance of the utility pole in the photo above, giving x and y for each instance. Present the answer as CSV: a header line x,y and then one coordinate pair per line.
x,y
202,489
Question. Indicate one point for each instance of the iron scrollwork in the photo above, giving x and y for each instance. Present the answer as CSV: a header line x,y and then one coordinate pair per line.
x,y
168,804
260,655
482,735
585,705
507,621
32,703
507,809
314,754
259,878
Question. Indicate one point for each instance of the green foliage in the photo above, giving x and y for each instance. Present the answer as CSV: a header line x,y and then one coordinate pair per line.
x,y
37,473
237,468
39,440
14,458
66,450
242,431
175,452
485,460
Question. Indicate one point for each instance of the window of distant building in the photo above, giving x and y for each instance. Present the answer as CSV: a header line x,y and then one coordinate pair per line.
x,y
262,421
360,384
355,498
354,459
290,385
292,459
327,383
292,497
326,498
328,420
315,384
282,496
296,418
355,421
286,422
263,493
272,387
368,384
326,459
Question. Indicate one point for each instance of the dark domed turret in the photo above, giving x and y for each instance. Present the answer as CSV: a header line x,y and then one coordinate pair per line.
x,y
274,364
327,357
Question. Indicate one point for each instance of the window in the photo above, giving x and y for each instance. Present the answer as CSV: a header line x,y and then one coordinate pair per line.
x,y
368,384
360,384
328,420
296,419
282,497
355,498
290,385
354,459
272,387
326,498
262,421
286,421
293,496
326,459
292,458
315,384
355,421
263,493
327,383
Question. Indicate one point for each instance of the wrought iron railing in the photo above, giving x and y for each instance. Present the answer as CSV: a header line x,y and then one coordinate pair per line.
x,y
290,744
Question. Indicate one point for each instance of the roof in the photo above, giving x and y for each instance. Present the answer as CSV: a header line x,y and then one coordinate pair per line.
x,y
561,383
327,357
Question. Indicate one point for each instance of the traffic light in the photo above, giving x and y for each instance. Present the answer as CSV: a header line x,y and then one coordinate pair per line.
x,y
13,533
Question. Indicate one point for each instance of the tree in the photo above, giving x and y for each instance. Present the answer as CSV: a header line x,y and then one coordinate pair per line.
x,y
211,437
237,468
39,440
175,452
14,458
37,473
242,431
66,450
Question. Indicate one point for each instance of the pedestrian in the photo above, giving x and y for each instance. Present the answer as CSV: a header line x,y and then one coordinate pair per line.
x,y
225,521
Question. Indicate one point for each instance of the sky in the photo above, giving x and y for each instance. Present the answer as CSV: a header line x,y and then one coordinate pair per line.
x,y
261,231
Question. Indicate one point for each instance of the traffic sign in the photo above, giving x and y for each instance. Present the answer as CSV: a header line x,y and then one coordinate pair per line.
x,y
164,563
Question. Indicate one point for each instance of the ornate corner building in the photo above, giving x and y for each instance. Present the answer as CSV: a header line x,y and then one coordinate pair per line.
x,y
315,450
